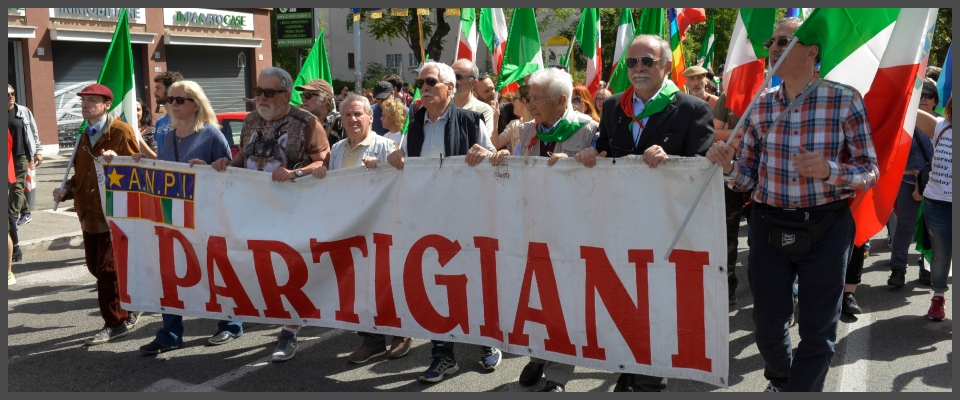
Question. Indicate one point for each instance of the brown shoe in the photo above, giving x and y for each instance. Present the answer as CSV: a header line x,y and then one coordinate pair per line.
x,y
366,351
399,347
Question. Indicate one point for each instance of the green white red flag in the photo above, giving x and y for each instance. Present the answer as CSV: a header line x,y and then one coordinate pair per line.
x,y
523,55
588,35
705,58
467,47
883,53
743,72
619,81
117,74
493,30
317,66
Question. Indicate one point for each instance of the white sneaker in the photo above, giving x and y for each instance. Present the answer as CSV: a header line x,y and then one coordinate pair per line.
x,y
286,348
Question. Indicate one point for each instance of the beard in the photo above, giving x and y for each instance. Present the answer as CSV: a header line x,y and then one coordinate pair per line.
x,y
641,80
269,112
697,92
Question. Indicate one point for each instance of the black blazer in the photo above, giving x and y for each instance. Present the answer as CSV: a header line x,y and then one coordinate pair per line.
x,y
684,128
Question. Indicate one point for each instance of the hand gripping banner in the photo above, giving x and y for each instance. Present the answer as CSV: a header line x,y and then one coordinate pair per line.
x,y
563,263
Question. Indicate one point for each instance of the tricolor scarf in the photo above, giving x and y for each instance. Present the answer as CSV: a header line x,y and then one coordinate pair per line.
x,y
656,104
569,124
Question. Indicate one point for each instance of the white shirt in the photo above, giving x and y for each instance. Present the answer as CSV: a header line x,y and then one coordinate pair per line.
x,y
397,137
433,144
940,186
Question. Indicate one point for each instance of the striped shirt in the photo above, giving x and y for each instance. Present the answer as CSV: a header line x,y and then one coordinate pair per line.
x,y
831,121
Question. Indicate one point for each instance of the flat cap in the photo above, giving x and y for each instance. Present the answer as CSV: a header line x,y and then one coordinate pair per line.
x,y
319,85
98,90
694,70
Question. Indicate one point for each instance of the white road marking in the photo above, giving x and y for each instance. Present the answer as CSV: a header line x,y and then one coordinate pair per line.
x,y
856,358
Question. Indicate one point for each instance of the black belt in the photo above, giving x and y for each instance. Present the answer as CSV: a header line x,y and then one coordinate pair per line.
x,y
834,206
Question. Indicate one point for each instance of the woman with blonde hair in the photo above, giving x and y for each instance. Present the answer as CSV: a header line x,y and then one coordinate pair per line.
x,y
394,116
583,102
196,131
510,136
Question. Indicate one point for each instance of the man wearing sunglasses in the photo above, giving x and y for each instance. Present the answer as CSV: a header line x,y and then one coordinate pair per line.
x,y
468,77
439,128
804,166
306,145
162,83
655,120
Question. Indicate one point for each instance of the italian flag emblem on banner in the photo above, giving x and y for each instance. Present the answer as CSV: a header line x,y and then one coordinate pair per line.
x,y
160,196
883,53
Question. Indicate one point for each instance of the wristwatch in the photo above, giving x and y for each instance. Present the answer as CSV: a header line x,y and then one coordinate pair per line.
x,y
298,173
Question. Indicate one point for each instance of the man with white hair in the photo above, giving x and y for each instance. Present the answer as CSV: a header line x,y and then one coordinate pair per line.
x,y
557,131
656,120
468,77
439,128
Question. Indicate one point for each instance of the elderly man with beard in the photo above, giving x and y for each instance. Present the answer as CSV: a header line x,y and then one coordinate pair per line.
x,y
306,146
806,149
557,131
653,119
697,83
439,128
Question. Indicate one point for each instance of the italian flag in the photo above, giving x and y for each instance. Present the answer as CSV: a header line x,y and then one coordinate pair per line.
x,y
117,74
619,81
523,55
493,30
743,73
883,53
687,17
163,210
705,58
317,66
588,34
467,36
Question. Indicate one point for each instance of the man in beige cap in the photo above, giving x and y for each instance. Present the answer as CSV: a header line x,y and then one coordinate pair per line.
x,y
696,82
317,97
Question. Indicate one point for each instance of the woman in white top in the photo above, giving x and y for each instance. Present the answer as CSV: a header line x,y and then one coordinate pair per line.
x,y
394,116
511,134
938,204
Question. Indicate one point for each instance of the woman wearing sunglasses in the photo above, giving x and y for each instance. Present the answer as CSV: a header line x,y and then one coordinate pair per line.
x,y
581,101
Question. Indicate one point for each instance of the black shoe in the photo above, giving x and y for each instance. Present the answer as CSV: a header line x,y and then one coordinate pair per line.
x,y
897,278
531,374
222,337
924,277
850,304
732,297
155,347
625,384
552,386
17,254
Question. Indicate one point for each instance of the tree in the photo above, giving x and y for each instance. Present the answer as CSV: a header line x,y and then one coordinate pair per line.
x,y
391,27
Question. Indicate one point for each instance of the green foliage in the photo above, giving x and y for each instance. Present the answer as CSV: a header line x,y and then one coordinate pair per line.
x,y
389,28
941,37
373,73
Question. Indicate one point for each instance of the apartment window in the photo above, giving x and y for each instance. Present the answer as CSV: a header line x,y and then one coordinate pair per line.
x,y
412,60
394,60
350,61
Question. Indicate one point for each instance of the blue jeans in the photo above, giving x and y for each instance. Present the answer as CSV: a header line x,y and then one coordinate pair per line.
x,y
938,216
907,209
172,332
445,349
820,275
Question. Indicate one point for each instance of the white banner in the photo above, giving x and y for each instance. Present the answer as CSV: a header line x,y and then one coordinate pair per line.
x,y
565,263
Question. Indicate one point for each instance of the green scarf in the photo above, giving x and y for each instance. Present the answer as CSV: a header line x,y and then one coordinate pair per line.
x,y
656,104
562,131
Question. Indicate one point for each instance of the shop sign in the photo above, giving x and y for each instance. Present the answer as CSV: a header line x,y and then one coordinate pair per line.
x,y
137,15
295,27
207,18
20,12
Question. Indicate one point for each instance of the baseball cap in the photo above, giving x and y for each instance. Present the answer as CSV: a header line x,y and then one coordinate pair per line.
x,y
319,85
383,90
694,70
98,90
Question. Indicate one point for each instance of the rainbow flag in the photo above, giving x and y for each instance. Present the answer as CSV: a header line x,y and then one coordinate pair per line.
x,y
679,65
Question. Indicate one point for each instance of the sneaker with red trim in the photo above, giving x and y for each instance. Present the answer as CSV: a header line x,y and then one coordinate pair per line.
x,y
936,311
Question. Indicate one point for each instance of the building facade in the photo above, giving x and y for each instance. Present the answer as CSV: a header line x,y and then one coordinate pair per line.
x,y
55,52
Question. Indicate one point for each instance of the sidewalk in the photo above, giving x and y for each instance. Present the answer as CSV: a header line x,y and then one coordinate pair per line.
x,y
50,229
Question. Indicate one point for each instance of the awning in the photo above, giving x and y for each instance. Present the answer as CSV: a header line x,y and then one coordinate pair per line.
x,y
83,35
218,41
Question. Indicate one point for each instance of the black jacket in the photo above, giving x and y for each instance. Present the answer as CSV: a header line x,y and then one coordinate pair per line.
x,y
684,128
459,134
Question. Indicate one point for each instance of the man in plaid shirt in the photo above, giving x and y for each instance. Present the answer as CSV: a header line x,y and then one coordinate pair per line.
x,y
804,166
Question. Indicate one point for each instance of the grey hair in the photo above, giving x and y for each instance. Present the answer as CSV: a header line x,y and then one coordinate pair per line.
x,y
367,109
286,81
474,71
788,21
557,83
666,53
445,72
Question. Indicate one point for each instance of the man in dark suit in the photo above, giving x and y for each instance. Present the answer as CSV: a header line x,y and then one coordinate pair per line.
x,y
654,120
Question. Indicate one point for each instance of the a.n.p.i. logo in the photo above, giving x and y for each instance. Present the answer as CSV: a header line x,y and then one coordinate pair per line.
x,y
162,196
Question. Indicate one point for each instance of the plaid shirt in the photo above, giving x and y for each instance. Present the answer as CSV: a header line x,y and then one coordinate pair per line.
x,y
831,121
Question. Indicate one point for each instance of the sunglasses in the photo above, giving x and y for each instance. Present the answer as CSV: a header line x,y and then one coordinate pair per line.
x,y
928,96
306,96
269,93
781,41
646,61
179,100
428,80
459,77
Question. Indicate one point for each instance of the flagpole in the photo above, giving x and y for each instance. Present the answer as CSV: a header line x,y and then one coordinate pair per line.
x,y
713,168
66,173
420,27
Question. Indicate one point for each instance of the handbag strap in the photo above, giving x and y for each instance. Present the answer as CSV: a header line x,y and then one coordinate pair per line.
x,y
944,130
176,149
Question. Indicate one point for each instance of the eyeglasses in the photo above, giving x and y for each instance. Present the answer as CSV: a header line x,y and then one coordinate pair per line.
x,y
307,96
269,93
928,96
179,100
781,41
577,100
428,80
647,61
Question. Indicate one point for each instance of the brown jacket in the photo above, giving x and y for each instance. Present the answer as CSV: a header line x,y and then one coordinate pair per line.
x,y
82,187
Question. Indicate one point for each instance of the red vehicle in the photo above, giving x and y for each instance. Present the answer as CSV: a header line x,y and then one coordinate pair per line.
x,y
231,124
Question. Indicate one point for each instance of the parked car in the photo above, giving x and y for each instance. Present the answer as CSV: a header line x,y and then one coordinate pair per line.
x,y
231,125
